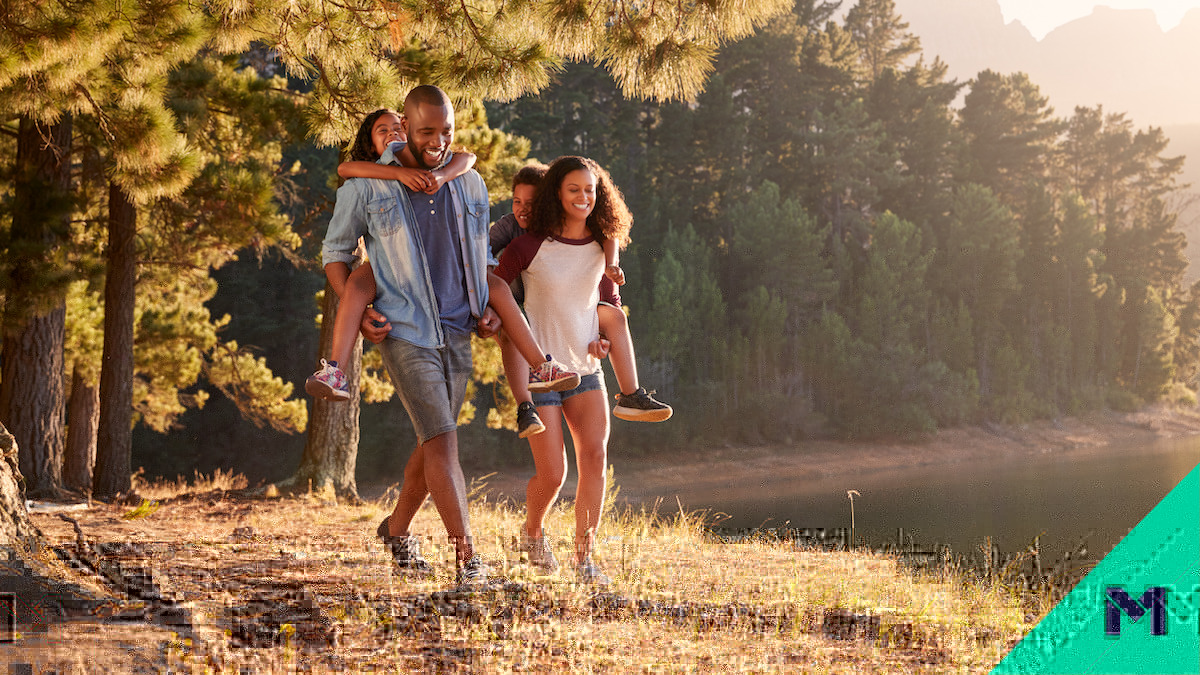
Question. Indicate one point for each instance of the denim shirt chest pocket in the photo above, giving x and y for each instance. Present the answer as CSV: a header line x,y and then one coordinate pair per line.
x,y
383,216
476,217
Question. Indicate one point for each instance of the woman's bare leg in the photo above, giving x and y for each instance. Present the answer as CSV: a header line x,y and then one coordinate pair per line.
x,y
550,470
587,418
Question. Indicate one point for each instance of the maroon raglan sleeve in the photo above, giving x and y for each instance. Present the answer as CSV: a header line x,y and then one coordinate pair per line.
x,y
517,257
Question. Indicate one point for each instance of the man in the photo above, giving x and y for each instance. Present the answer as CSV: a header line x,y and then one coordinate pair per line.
x,y
430,257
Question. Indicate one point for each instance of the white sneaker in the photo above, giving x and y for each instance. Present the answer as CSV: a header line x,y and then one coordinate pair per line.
x,y
540,554
589,573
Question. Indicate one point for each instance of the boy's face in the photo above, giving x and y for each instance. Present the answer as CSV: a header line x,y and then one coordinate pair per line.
x,y
523,204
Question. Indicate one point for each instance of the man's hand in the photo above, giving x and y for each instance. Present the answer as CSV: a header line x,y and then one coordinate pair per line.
x,y
438,180
489,323
375,326
599,347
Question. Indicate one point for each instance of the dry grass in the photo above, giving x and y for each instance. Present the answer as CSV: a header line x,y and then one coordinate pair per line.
x,y
680,601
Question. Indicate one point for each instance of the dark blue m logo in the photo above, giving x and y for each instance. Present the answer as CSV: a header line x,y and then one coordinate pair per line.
x,y
1154,600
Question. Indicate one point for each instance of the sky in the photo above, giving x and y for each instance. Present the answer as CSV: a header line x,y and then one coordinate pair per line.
x,y
1042,16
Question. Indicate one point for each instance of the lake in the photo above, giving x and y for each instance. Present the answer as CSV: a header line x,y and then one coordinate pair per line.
x,y
1094,498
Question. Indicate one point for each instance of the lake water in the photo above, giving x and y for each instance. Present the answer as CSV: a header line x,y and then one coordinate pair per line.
x,y
1094,498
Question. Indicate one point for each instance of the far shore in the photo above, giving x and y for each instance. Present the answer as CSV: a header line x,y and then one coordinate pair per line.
x,y
643,480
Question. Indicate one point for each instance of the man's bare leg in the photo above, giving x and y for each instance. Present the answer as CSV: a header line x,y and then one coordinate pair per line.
x,y
436,461
413,492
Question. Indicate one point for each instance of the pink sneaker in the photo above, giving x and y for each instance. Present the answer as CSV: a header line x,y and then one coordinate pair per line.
x,y
552,376
328,383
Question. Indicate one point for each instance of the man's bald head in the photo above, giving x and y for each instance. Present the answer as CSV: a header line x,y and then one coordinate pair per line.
x,y
426,93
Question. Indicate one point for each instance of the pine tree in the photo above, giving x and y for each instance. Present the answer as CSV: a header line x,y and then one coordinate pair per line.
x,y
31,385
1009,129
978,252
1125,178
84,339
881,36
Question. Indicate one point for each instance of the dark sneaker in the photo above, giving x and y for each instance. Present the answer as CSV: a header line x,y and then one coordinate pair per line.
x,y
406,551
472,573
552,376
328,383
540,553
589,573
640,406
528,421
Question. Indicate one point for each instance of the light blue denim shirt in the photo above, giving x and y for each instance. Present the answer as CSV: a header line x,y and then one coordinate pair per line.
x,y
379,211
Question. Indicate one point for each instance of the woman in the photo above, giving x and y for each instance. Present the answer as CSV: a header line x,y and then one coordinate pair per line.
x,y
561,260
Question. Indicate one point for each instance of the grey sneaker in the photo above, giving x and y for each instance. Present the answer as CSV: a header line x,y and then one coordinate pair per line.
x,y
540,554
528,421
406,551
589,573
472,573
640,406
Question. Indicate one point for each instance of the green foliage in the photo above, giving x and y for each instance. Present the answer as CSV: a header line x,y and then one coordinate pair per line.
x,y
261,397
499,155
357,53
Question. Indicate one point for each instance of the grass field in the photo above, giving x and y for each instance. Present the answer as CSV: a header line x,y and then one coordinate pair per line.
x,y
240,584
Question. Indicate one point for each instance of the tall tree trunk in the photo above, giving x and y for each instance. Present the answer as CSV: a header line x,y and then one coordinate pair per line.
x,y
331,448
115,438
83,419
32,396
31,384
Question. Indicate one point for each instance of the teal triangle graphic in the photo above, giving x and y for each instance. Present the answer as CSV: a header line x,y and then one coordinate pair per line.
x,y
1148,586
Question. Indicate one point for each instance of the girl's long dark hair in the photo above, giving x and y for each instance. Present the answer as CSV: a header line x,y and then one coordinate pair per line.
x,y
610,218
363,149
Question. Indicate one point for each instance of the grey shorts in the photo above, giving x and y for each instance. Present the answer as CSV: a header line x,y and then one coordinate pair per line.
x,y
586,383
431,382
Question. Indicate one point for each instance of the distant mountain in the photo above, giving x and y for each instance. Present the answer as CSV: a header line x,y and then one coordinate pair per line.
x,y
1118,58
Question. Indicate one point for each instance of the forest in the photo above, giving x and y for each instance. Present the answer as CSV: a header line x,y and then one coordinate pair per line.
x,y
831,238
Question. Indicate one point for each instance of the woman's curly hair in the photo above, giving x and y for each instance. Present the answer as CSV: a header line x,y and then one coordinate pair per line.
x,y
363,148
610,218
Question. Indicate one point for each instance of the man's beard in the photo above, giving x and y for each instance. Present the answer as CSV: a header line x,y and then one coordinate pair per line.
x,y
423,161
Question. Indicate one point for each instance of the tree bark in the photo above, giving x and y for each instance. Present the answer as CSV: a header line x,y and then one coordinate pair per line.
x,y
31,384
331,447
114,441
16,530
32,396
83,419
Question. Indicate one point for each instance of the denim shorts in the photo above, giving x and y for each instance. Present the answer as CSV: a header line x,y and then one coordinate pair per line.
x,y
431,382
592,382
